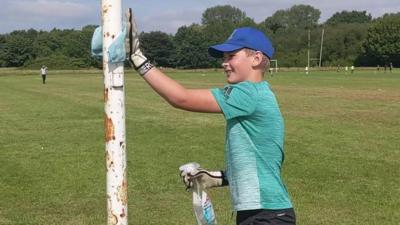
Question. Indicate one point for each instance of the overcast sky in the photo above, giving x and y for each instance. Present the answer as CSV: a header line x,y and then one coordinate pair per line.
x,y
164,15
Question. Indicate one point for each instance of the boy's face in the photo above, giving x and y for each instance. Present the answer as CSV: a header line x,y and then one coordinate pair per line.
x,y
237,66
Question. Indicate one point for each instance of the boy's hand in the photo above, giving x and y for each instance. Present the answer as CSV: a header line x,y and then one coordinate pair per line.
x,y
207,179
136,57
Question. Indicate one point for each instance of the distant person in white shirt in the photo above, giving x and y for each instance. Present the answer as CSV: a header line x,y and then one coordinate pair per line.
x,y
43,71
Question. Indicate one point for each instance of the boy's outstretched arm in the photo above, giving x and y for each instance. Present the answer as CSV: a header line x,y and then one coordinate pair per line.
x,y
197,100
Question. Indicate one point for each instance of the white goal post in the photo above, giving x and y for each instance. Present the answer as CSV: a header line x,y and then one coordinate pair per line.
x,y
273,65
114,118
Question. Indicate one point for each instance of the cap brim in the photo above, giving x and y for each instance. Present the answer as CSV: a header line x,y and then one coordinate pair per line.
x,y
217,51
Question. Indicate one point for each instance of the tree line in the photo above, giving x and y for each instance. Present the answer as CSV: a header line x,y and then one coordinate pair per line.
x,y
350,38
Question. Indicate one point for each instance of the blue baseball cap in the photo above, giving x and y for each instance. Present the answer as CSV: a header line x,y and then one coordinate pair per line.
x,y
244,37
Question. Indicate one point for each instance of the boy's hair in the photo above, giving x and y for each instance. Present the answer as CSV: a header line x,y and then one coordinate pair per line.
x,y
264,61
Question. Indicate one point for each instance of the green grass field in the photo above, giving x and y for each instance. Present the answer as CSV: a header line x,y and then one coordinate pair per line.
x,y
342,148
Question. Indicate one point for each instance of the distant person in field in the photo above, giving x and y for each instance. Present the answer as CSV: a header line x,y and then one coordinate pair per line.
x,y
391,67
352,69
378,68
254,142
43,72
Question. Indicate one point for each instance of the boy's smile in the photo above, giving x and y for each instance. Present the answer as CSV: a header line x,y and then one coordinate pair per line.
x,y
237,66
240,66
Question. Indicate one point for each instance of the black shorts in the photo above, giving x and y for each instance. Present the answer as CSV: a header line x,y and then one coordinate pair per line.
x,y
266,217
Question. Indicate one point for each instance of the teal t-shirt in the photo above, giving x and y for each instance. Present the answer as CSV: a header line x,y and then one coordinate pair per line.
x,y
253,146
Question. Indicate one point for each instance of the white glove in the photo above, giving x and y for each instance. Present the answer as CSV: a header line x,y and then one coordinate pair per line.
x,y
207,179
136,57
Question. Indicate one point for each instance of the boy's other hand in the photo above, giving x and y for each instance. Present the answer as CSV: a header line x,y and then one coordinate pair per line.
x,y
207,179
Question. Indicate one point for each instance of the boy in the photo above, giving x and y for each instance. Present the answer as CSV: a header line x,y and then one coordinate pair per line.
x,y
43,72
255,130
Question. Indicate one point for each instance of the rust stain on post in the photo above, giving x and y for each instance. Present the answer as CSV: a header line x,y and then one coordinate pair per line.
x,y
112,219
122,192
109,133
105,9
105,94
109,161
123,214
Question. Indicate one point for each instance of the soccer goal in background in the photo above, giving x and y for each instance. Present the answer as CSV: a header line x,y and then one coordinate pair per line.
x,y
273,66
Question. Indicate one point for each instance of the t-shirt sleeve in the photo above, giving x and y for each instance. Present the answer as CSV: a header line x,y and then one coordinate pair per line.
x,y
235,100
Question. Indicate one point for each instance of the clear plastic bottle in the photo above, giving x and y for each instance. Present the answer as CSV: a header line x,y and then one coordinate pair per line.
x,y
202,206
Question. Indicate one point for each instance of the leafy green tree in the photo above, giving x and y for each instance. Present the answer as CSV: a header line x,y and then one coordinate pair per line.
x,y
3,61
347,40
219,22
247,22
17,48
64,49
221,14
343,44
303,16
279,20
74,45
218,32
287,30
291,46
383,39
296,17
349,17
43,45
48,43
158,47
191,47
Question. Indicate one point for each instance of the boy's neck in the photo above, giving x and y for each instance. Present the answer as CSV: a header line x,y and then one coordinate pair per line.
x,y
255,76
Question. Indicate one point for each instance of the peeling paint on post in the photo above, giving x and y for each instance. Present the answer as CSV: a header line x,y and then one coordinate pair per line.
x,y
114,119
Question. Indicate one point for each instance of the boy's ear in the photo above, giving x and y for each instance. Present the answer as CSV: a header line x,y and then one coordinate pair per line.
x,y
257,58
